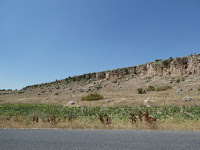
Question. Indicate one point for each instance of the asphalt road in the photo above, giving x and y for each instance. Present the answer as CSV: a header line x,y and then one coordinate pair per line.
x,y
46,139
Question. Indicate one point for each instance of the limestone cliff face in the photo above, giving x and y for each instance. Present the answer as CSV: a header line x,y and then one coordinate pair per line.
x,y
189,65
181,66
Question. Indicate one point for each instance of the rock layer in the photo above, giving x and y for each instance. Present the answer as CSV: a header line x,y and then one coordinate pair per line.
x,y
180,66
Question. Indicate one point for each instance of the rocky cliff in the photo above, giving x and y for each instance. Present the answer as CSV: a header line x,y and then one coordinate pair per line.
x,y
175,67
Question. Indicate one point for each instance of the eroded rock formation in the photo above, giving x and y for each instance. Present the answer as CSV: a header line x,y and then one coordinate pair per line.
x,y
189,65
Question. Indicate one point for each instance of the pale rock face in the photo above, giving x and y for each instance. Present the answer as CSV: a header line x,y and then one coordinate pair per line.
x,y
181,66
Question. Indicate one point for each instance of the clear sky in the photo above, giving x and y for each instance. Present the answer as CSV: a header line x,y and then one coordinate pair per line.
x,y
45,40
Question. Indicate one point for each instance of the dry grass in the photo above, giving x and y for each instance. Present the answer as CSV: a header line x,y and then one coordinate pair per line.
x,y
126,90
170,124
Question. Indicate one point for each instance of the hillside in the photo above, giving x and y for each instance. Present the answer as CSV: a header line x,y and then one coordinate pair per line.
x,y
163,82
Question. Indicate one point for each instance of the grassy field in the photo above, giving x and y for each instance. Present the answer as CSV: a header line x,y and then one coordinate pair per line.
x,y
124,117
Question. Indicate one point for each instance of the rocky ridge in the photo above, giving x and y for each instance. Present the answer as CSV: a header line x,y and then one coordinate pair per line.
x,y
172,67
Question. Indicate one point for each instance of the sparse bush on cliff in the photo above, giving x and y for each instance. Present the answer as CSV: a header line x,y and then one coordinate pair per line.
x,y
157,60
74,78
165,63
163,88
92,97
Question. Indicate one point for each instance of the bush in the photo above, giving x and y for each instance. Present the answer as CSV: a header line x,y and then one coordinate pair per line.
x,y
165,63
141,91
183,79
74,78
157,60
178,81
199,89
151,88
163,88
92,97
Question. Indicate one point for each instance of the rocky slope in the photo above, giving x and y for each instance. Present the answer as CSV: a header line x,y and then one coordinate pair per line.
x,y
181,66
120,86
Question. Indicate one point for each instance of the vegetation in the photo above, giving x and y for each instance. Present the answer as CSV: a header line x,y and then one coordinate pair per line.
x,y
123,112
178,81
151,88
157,60
163,88
165,63
74,78
92,97
141,91
199,89
43,115
5,90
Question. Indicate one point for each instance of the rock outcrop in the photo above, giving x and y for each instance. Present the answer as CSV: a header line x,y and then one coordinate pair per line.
x,y
181,66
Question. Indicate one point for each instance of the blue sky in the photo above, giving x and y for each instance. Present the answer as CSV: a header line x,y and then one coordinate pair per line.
x,y
45,40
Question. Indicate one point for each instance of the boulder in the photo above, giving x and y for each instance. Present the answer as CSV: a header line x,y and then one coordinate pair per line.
x,y
179,91
108,101
72,102
187,98
197,93
81,90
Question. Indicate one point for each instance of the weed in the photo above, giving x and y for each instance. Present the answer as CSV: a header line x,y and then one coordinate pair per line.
x,y
71,118
101,119
35,119
150,121
133,118
106,121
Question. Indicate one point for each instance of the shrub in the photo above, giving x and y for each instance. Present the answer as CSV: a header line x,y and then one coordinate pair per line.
x,y
163,88
157,60
141,91
151,88
74,78
199,89
183,79
178,81
92,97
165,63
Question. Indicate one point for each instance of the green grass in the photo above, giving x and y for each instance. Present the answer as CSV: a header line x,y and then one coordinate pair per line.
x,y
122,113
92,97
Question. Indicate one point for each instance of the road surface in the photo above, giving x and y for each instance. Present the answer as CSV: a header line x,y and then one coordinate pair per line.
x,y
58,139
